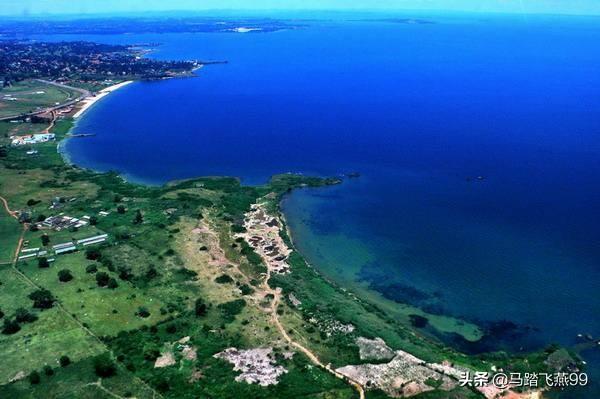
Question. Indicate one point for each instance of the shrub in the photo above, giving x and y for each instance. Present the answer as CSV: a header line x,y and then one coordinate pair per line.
x,y
34,377
23,315
231,309
200,308
91,269
104,366
65,275
45,239
246,289
224,279
42,299
32,202
43,263
64,361
143,312
48,370
102,279
10,327
92,253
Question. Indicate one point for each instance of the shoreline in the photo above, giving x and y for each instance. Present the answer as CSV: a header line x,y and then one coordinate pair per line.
x,y
88,102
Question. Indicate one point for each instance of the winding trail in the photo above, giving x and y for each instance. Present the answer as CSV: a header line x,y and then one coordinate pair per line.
x,y
276,292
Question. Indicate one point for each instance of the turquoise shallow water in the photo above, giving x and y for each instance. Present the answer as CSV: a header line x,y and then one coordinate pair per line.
x,y
421,111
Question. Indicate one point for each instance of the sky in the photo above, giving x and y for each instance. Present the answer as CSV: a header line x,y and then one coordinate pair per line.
x,y
58,7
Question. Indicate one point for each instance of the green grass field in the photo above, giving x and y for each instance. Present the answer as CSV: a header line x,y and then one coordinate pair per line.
x,y
30,95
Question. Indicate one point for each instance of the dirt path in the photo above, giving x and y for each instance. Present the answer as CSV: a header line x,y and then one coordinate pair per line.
x,y
11,213
218,257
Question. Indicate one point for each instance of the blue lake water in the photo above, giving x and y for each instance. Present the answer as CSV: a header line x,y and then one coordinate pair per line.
x,y
421,111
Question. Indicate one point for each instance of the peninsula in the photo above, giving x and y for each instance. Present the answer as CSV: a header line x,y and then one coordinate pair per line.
x,y
192,289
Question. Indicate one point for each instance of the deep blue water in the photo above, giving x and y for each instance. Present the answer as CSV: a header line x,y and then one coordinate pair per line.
x,y
420,111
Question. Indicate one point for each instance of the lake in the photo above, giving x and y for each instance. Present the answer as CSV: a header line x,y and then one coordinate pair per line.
x,y
477,139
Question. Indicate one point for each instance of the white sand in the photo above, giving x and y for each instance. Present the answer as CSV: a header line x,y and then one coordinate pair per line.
x,y
87,102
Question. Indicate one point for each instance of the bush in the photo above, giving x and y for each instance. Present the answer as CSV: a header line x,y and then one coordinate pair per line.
x,y
104,366
231,309
64,361
143,312
112,284
200,308
246,289
48,370
34,377
224,279
91,269
23,315
42,299
92,253
102,279
10,327
32,202
43,263
65,275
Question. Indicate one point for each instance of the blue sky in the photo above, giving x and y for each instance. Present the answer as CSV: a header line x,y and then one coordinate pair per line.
x,y
27,7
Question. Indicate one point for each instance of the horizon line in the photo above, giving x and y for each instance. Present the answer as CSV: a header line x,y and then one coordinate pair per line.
x,y
290,10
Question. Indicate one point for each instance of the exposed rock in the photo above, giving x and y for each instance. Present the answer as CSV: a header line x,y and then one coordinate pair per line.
x,y
373,349
404,376
165,360
257,365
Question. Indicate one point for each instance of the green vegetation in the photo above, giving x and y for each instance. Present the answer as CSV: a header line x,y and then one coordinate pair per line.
x,y
173,282
31,95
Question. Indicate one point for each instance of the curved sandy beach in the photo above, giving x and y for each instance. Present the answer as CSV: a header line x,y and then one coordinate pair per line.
x,y
87,102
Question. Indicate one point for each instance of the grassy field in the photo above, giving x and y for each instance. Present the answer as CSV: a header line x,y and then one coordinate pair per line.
x,y
31,95
10,230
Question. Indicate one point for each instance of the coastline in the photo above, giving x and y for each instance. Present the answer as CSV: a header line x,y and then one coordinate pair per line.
x,y
89,101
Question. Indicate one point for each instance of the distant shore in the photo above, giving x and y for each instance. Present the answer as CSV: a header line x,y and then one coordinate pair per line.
x,y
89,101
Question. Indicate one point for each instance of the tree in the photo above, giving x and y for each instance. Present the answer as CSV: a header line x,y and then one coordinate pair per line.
x,y
104,366
43,263
64,361
112,284
93,220
92,253
23,315
143,312
139,218
34,377
45,239
91,269
1,314
65,275
200,307
10,327
42,299
125,273
48,370
102,279
121,209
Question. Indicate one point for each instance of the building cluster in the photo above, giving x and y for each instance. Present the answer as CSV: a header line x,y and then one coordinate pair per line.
x,y
29,59
62,221
32,138
62,248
